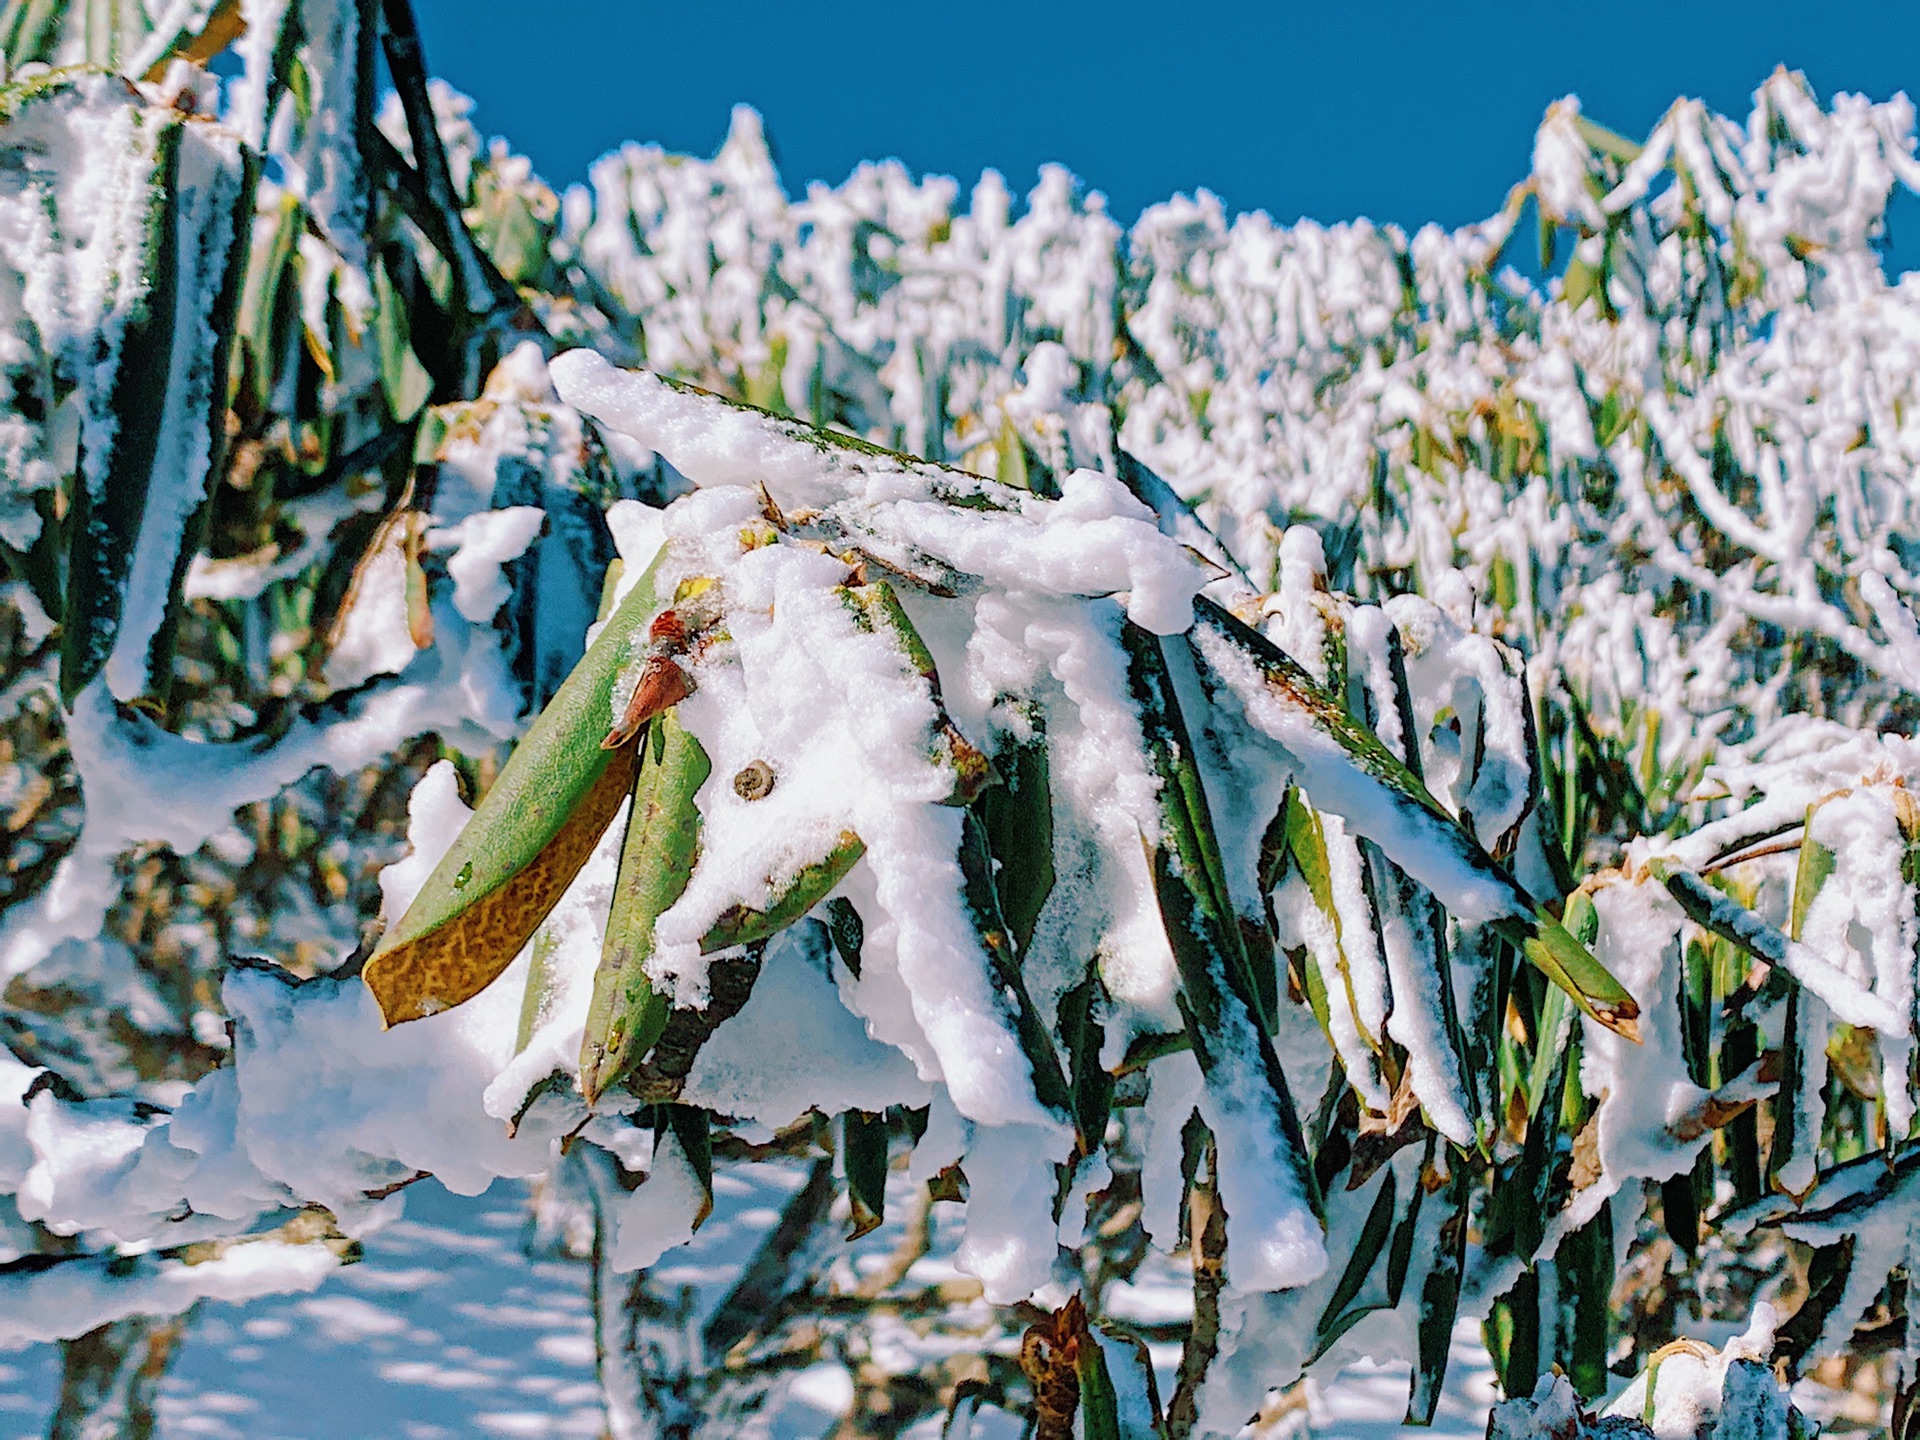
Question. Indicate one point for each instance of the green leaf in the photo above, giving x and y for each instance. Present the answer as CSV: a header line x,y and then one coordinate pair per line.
x,y
32,27
1583,282
1585,1267
270,303
516,239
693,1128
403,378
1827,1275
155,449
104,523
1099,1404
1218,998
1305,844
1367,1250
1083,1035
1440,1301
846,932
1136,1392
1571,966
1010,457
533,1000
1722,915
1814,868
1366,767
739,925
627,1015
1036,1043
877,610
1512,1335
1607,142
1018,815
1408,915
515,857
1790,1103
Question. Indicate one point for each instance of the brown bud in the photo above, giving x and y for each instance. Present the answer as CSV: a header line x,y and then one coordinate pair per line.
x,y
663,684
668,631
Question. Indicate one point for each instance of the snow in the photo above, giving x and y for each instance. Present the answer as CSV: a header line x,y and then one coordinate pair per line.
x,y
205,222
67,1302
481,544
794,1011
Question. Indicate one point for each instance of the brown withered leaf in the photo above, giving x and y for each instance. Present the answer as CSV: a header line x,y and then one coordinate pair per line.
x,y
1050,1357
1586,1154
456,961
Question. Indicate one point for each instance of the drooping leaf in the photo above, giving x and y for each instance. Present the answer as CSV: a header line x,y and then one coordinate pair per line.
x,y
1724,916
157,403
514,859
627,1015
553,587
1585,1266
877,609
1218,997
1413,941
1091,1082
105,524
1512,1335
1813,869
403,378
533,1001
1036,1042
1341,761
1099,1402
1130,1380
846,932
1018,815
693,1128
1337,1317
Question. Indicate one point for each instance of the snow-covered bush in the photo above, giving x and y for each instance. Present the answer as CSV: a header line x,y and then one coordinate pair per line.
x,y
1295,753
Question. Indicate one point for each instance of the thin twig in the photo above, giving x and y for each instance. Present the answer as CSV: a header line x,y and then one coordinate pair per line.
x,y
483,290
1783,847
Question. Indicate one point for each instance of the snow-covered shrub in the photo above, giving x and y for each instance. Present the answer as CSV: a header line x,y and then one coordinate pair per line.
x,y
1292,752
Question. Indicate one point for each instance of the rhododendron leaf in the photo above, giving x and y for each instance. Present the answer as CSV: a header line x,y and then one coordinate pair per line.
x,y
515,857
794,897
863,1139
1421,821
627,1015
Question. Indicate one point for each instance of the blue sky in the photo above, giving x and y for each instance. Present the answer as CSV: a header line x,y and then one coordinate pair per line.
x,y
1399,111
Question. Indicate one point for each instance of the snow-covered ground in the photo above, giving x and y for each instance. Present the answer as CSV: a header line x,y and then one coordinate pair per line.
x,y
444,1329
447,1329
